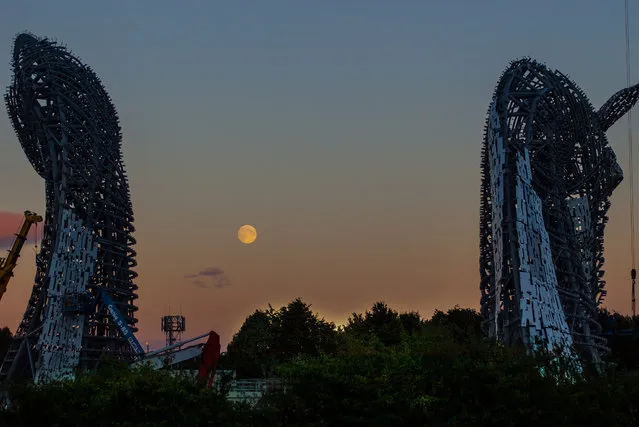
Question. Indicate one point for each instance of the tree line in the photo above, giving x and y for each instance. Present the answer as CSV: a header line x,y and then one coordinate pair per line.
x,y
382,368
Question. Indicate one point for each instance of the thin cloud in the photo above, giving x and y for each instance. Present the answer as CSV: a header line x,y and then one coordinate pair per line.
x,y
223,282
212,271
200,284
210,277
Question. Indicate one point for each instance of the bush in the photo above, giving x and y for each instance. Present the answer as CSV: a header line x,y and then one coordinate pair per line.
x,y
118,396
384,368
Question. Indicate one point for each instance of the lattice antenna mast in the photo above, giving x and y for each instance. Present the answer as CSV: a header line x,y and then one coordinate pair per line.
x,y
633,271
173,326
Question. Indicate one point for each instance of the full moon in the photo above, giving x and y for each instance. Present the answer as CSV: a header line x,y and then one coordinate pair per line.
x,y
247,234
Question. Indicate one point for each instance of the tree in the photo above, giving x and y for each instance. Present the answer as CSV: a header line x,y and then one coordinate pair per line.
x,y
297,330
268,337
119,396
380,321
439,375
464,323
384,323
435,379
250,350
431,380
411,322
623,338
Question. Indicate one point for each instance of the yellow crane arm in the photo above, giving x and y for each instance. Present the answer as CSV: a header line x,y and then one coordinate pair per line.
x,y
9,263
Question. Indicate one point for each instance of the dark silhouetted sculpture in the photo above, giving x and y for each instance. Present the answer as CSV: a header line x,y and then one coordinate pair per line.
x,y
68,128
547,176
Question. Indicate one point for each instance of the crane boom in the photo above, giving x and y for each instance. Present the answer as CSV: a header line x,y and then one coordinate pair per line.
x,y
9,263
85,302
120,322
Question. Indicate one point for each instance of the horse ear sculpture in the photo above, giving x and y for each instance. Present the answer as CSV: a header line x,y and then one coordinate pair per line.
x,y
617,106
69,131
547,176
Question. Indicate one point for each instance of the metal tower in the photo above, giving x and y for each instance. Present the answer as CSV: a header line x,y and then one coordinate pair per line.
x,y
173,326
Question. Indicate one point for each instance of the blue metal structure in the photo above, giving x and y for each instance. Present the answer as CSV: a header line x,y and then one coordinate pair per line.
x,y
85,302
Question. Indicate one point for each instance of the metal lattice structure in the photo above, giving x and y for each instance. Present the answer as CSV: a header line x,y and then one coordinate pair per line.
x,y
547,175
173,326
68,128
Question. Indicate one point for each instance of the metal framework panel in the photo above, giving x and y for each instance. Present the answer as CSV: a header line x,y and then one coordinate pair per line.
x,y
72,264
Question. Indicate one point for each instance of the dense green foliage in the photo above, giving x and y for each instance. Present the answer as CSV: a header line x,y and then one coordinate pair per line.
x,y
623,339
270,337
382,368
117,396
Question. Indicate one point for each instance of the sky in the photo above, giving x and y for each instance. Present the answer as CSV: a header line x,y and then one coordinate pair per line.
x,y
347,133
